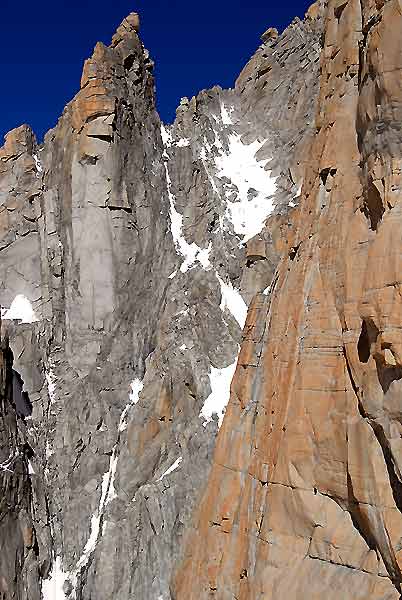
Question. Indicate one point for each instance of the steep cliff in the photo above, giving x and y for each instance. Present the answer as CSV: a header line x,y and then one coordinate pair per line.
x,y
304,496
131,253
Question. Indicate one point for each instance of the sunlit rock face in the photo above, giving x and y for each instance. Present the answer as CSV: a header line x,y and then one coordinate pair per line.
x,y
203,321
304,496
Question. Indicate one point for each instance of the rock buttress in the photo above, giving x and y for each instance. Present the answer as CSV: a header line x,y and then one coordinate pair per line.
x,y
304,496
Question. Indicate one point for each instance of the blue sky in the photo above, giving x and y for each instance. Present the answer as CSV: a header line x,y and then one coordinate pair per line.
x,y
43,44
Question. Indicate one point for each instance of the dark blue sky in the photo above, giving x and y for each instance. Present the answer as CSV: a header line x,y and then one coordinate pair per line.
x,y
43,44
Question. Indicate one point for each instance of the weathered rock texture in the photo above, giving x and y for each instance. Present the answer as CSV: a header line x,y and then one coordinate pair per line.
x,y
304,496
139,248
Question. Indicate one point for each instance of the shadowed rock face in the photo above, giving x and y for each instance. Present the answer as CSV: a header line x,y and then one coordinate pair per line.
x,y
20,397
18,543
140,249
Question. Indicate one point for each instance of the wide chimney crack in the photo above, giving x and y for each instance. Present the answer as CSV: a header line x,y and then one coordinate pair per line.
x,y
359,520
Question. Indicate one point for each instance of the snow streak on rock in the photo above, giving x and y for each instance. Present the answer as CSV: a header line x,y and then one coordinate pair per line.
x,y
233,302
96,521
108,492
38,163
51,386
172,468
294,201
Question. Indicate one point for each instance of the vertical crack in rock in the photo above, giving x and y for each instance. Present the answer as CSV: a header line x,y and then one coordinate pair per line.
x,y
373,206
360,521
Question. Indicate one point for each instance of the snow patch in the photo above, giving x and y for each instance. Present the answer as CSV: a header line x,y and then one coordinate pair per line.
x,y
134,396
52,588
172,468
220,380
21,310
225,114
232,300
255,186
183,143
31,470
136,389
203,256
173,275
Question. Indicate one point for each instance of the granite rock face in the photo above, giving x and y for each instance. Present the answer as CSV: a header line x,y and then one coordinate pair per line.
x,y
304,496
131,253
